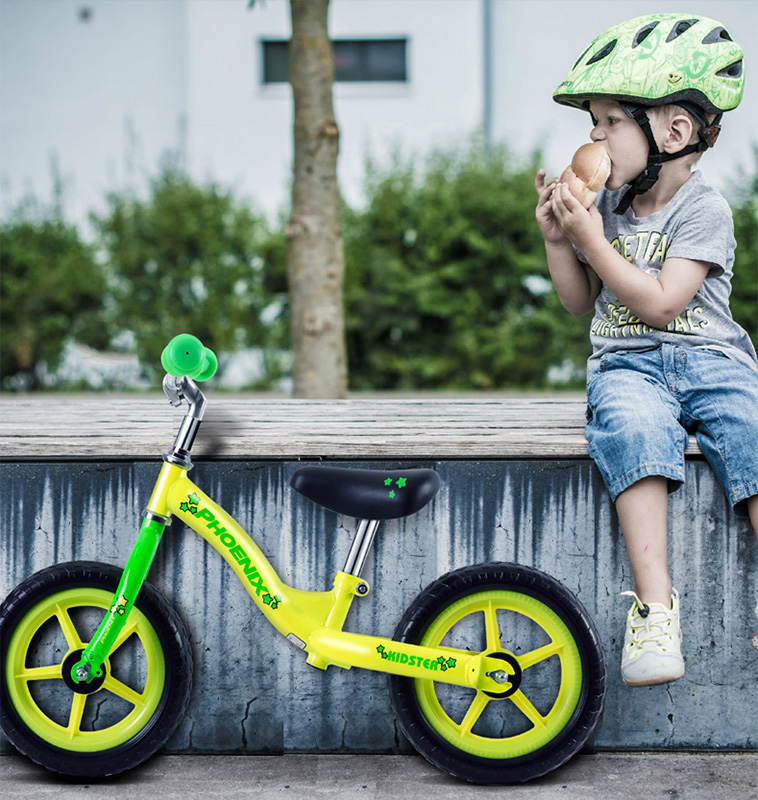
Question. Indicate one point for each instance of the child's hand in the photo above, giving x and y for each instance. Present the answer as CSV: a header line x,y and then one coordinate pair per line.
x,y
548,224
579,225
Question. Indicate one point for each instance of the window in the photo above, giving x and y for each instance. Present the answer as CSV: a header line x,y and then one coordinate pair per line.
x,y
355,60
276,62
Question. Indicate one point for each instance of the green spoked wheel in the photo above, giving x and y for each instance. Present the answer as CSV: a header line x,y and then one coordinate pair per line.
x,y
119,719
552,697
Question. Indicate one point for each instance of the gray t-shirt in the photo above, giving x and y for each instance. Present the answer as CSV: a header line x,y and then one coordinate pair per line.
x,y
695,224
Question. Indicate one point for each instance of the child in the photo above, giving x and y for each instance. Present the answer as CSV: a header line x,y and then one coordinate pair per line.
x,y
654,259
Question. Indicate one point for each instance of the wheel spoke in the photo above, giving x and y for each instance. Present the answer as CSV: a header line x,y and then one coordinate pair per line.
x,y
41,673
524,705
67,626
124,692
491,628
75,717
474,712
126,632
540,654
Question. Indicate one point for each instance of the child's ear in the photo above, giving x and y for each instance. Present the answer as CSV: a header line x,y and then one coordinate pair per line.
x,y
679,133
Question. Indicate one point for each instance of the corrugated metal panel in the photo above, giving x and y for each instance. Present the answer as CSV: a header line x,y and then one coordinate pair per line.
x,y
254,693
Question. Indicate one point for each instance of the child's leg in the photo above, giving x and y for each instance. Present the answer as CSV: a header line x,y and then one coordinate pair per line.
x,y
638,443
752,511
652,640
643,513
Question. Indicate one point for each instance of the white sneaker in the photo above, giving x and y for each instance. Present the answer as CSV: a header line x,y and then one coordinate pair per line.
x,y
652,643
755,638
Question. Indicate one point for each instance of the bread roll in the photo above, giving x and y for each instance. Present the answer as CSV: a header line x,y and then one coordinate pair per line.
x,y
587,173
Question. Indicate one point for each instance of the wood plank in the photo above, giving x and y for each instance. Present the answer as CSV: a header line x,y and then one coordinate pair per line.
x,y
255,426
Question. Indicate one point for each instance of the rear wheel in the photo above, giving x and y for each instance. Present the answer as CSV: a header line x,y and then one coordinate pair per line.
x,y
552,700
116,721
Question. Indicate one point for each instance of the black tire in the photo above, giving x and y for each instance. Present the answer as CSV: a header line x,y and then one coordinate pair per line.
x,y
45,621
498,738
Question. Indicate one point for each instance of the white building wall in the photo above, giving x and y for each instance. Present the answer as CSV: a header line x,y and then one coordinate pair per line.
x,y
76,89
110,95
241,130
149,65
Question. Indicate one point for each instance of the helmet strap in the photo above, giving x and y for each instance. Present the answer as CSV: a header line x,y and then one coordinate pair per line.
x,y
646,180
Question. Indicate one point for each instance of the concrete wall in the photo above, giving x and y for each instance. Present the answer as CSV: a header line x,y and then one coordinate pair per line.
x,y
254,693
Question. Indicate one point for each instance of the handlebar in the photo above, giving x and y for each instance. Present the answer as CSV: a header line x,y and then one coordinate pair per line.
x,y
185,356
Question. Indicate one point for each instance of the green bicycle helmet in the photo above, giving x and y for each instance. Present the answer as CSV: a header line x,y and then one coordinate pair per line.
x,y
657,60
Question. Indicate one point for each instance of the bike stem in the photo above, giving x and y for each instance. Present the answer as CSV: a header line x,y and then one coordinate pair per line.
x,y
177,390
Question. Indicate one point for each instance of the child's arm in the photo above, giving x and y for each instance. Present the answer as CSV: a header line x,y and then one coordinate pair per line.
x,y
656,300
576,284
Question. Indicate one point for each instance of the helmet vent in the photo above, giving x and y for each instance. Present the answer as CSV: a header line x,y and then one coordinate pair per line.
x,y
643,33
681,27
576,63
601,54
717,35
732,71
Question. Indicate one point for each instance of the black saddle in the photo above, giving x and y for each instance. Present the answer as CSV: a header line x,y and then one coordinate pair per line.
x,y
367,493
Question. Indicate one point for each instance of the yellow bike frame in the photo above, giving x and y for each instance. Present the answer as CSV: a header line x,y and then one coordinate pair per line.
x,y
311,620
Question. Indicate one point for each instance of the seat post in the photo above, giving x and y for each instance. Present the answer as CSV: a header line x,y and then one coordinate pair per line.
x,y
364,537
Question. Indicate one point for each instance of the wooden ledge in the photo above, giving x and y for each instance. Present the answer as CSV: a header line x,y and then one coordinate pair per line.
x,y
130,427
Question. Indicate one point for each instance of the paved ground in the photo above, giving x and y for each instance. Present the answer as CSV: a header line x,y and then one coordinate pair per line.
x,y
608,776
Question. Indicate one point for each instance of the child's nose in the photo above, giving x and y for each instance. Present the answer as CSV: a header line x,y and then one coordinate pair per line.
x,y
596,134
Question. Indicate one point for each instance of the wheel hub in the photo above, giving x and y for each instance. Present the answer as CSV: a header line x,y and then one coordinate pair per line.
x,y
510,677
71,660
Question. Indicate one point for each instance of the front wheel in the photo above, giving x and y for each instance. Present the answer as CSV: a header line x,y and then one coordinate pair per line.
x,y
118,720
550,649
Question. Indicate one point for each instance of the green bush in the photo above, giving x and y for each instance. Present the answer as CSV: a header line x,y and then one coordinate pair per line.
x,y
447,283
189,258
51,289
744,298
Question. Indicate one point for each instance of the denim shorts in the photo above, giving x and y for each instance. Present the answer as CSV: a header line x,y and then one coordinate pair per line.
x,y
641,406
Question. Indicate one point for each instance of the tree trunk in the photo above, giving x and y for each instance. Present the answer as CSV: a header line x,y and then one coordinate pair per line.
x,y
314,241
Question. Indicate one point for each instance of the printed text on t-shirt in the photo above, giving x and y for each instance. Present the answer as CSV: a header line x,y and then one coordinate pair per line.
x,y
650,246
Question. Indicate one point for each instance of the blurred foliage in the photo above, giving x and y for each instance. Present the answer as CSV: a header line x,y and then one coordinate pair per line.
x,y
744,299
447,285
447,281
51,288
189,258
